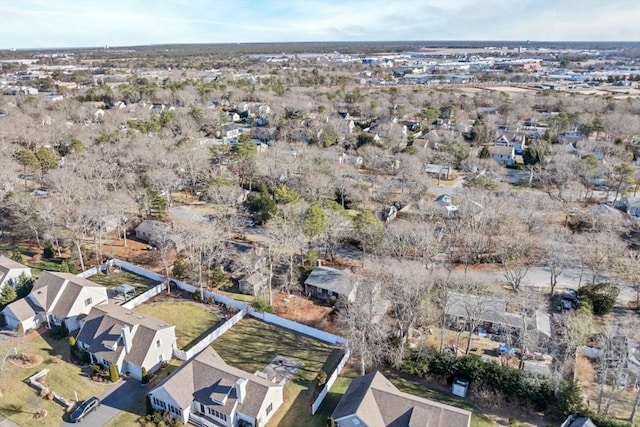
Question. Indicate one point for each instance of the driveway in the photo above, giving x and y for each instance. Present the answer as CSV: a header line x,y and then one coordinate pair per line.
x,y
113,403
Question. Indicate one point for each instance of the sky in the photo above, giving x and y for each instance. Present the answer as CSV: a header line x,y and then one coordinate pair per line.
x,y
89,23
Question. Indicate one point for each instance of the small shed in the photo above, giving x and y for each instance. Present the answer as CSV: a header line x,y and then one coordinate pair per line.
x,y
127,291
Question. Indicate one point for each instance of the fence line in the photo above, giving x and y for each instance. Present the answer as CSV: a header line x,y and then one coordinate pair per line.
x,y
88,273
244,310
297,327
332,378
206,341
145,296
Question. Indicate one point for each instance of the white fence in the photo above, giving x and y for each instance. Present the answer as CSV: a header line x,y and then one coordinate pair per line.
x,y
298,327
206,341
244,310
145,296
88,273
332,378
137,270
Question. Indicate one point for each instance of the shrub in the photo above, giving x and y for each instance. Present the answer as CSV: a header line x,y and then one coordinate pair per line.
x,y
145,376
47,251
262,306
113,373
321,379
602,296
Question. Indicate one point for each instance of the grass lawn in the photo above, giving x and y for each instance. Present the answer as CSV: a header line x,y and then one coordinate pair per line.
x,y
7,248
191,319
45,265
418,389
119,277
251,344
19,401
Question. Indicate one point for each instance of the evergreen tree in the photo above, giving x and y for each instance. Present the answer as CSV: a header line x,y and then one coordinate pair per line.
x,y
113,373
8,295
315,221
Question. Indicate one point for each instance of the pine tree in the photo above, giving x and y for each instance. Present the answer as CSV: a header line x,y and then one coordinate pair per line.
x,y
8,295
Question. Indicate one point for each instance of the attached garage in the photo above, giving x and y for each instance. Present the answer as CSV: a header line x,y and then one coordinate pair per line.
x,y
21,312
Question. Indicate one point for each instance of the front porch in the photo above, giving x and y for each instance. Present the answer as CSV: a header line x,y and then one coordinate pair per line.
x,y
201,420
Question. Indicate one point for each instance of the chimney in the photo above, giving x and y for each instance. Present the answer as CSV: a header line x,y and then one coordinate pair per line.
x,y
241,389
126,338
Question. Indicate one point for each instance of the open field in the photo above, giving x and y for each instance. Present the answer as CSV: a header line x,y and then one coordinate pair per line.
x,y
251,345
191,319
120,277
19,400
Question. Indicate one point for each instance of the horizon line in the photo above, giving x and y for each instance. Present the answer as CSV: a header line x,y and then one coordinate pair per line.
x,y
108,47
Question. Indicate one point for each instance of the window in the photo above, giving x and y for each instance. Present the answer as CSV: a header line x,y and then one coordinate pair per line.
x,y
269,408
88,301
158,344
159,403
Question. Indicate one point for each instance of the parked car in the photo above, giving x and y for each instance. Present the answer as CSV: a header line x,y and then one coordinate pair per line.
x,y
89,405
506,349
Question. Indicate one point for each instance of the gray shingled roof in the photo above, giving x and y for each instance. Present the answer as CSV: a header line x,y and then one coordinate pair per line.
x,y
331,279
377,402
103,327
50,284
23,309
7,264
207,377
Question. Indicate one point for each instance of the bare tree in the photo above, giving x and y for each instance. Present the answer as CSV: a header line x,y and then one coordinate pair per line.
x,y
558,254
515,263
367,337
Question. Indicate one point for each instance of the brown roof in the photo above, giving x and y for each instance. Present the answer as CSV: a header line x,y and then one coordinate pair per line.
x,y
378,403
102,329
207,379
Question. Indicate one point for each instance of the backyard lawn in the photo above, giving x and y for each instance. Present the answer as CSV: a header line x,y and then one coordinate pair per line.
x,y
416,388
20,401
251,344
192,320
119,277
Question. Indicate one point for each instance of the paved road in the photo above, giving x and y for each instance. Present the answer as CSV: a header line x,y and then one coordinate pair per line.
x,y
113,403
538,277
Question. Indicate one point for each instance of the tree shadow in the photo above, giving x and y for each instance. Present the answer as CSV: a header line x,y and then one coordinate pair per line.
x,y
13,409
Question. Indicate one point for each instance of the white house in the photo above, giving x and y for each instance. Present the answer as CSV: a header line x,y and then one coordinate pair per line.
x,y
503,154
129,340
55,298
10,272
205,391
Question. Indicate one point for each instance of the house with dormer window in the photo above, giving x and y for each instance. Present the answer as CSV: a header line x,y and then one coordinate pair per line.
x,y
112,334
55,298
205,391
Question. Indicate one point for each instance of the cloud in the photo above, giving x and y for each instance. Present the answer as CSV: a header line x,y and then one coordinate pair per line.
x,y
65,23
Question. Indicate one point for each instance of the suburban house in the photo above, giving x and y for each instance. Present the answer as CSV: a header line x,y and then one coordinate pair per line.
x,y
326,283
254,284
372,400
504,155
205,391
338,287
10,272
129,340
490,314
515,140
156,233
55,298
